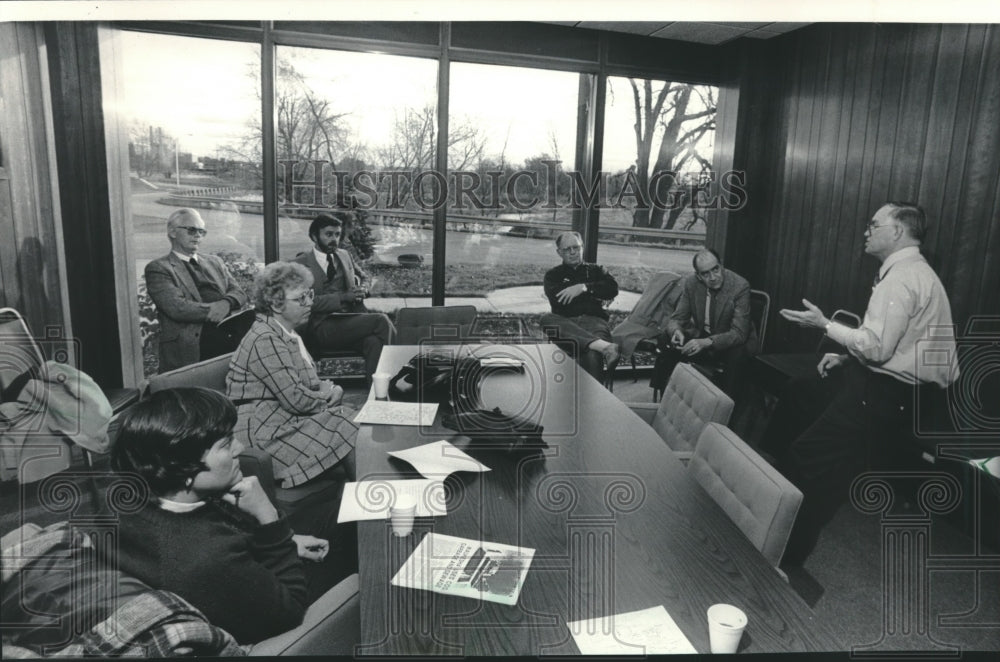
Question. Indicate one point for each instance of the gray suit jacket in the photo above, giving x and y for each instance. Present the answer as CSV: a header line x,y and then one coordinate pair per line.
x,y
330,296
730,325
179,307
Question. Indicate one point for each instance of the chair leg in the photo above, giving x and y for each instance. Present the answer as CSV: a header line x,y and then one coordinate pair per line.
x,y
635,373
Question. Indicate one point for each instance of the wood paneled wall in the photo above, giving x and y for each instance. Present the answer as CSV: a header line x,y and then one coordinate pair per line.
x,y
32,274
838,119
75,73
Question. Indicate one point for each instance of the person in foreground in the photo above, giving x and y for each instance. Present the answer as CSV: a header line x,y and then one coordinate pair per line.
x,y
578,291
710,324
208,533
284,408
886,372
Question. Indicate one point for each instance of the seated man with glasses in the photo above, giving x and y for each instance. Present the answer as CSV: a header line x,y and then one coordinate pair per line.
x,y
578,292
710,325
193,293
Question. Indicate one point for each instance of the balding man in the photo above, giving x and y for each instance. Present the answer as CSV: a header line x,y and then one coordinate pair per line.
x,y
192,293
711,323
578,292
904,352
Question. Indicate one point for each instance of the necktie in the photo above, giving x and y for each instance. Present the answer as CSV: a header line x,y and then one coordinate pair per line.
x,y
708,313
331,269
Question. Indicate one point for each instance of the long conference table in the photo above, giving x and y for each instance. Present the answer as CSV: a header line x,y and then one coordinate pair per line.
x,y
616,522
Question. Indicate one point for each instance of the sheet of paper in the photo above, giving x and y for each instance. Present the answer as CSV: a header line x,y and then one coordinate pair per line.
x,y
467,568
439,459
384,412
645,632
371,499
990,465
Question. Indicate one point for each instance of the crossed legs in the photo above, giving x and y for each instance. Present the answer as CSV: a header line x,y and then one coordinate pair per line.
x,y
586,338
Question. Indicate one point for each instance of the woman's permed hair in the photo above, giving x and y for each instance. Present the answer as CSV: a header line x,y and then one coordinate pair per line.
x,y
270,285
164,437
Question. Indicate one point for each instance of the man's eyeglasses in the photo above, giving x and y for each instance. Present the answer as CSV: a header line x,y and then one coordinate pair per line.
x,y
571,249
872,226
193,231
305,298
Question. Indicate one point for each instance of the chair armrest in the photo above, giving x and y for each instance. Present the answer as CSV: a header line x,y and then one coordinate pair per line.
x,y
331,626
645,410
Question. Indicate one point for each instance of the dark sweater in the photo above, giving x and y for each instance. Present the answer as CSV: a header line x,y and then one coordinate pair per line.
x,y
601,287
246,578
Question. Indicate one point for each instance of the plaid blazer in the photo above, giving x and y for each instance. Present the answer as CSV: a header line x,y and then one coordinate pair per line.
x,y
280,408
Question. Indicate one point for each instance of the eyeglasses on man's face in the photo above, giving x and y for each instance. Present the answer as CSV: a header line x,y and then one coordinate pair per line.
x,y
192,230
305,298
571,249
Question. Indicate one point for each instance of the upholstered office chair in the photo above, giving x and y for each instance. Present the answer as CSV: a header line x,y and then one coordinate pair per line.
x,y
690,401
757,498
434,324
211,373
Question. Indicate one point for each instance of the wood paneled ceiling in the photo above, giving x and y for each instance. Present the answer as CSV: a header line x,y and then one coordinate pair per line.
x,y
701,33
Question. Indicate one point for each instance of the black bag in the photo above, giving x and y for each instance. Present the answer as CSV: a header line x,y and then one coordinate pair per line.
x,y
496,430
426,378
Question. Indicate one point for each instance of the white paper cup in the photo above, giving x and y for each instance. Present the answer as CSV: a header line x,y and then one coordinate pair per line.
x,y
725,627
402,513
380,380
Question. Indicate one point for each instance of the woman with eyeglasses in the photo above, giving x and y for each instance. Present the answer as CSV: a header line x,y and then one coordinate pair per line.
x,y
283,407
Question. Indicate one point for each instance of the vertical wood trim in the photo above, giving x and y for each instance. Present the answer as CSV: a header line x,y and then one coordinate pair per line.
x,y
441,157
33,270
268,148
120,207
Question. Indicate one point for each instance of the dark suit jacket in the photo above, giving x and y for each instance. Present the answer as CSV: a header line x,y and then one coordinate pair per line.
x,y
179,307
730,322
333,297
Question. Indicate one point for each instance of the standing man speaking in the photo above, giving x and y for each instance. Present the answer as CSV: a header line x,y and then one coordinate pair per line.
x,y
905,344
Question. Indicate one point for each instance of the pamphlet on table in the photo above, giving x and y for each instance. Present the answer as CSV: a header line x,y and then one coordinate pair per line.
x,y
385,412
372,499
439,459
645,632
467,568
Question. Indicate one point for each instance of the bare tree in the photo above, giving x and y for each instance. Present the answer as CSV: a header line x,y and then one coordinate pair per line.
x,y
680,122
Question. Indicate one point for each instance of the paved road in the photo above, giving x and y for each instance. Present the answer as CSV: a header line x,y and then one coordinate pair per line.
x,y
243,232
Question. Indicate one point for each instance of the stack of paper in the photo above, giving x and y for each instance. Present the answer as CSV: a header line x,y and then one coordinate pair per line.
x,y
439,459
384,412
645,632
372,499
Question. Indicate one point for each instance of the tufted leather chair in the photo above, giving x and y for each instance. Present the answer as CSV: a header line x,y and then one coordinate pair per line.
x,y
757,498
690,400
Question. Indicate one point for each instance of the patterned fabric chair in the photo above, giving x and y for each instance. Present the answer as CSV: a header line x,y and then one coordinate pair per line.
x,y
690,400
757,498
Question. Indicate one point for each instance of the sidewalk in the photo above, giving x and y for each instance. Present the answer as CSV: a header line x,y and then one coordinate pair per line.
x,y
527,299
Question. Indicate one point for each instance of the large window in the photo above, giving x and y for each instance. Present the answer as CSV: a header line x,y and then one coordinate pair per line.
x,y
194,141
512,139
658,146
355,130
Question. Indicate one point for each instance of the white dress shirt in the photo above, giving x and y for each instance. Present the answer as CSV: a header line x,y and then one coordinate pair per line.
x,y
907,332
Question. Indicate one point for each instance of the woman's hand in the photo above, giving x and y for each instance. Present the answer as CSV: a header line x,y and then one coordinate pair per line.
x,y
311,548
250,497
333,393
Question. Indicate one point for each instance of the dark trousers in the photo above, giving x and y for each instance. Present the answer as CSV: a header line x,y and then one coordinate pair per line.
x,y
869,425
365,333
732,360
800,402
574,334
319,518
